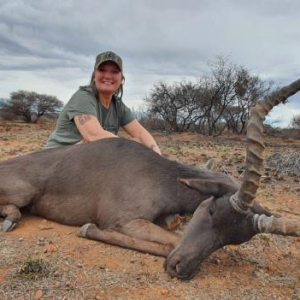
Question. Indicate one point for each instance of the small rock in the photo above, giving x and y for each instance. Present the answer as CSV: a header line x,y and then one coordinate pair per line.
x,y
56,274
280,178
216,261
70,232
50,248
41,241
44,225
164,291
38,295
68,283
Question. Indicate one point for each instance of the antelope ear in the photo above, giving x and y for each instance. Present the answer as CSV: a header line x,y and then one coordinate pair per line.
x,y
211,187
210,164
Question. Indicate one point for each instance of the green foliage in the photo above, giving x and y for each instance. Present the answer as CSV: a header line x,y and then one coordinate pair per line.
x,y
30,106
34,266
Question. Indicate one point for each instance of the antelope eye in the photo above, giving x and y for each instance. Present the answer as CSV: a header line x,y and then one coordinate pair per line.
x,y
212,209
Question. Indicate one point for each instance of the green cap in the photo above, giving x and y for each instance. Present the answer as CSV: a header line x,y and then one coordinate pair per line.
x,y
108,56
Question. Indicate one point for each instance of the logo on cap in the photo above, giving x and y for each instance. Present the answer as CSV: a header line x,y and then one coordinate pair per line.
x,y
109,56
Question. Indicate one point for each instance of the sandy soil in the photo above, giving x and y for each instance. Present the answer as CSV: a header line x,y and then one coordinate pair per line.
x,y
64,266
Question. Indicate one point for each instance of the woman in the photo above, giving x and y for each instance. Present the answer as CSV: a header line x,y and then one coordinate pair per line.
x,y
96,111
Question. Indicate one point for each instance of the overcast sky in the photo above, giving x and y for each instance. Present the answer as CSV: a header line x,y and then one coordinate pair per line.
x,y
50,46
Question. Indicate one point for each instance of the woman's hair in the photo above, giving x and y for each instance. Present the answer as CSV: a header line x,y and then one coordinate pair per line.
x,y
118,93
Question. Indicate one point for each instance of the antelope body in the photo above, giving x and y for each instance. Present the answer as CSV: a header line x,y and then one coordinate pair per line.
x,y
118,190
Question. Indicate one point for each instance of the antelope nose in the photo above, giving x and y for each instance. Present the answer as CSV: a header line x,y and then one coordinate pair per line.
x,y
178,268
170,265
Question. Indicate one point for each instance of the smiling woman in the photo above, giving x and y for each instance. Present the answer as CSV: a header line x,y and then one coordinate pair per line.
x,y
97,111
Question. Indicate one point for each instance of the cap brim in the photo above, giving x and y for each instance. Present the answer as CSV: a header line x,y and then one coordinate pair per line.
x,y
104,61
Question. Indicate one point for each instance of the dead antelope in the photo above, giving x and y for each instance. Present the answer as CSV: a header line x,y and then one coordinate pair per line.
x,y
119,190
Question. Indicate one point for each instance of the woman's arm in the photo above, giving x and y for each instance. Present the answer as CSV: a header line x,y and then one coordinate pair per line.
x,y
90,128
136,130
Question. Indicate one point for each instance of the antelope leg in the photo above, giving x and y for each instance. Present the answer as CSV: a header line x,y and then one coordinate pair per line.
x,y
113,237
146,230
11,215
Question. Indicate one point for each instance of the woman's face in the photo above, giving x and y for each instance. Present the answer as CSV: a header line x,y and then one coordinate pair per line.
x,y
108,78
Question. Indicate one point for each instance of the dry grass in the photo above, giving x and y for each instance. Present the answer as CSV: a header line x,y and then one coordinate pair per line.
x,y
51,262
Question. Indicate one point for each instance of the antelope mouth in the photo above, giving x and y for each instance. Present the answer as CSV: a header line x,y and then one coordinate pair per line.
x,y
183,270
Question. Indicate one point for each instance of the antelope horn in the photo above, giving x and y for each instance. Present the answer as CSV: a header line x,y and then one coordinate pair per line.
x,y
282,226
244,197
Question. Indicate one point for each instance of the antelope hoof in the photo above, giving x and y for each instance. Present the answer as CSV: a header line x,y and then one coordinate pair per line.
x,y
8,225
83,230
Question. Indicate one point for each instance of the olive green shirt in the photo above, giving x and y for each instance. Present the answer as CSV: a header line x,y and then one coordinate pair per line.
x,y
84,102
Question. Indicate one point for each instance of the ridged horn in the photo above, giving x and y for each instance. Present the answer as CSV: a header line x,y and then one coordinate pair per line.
x,y
244,197
282,226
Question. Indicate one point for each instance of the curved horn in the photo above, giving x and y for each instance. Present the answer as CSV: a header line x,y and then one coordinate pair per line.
x,y
243,198
282,226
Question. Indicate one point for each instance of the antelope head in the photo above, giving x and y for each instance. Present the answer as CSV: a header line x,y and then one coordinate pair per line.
x,y
233,218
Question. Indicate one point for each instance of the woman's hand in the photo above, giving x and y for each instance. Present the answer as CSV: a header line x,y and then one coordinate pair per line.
x,y
155,148
137,131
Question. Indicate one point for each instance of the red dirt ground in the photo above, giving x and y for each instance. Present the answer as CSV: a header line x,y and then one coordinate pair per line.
x,y
267,267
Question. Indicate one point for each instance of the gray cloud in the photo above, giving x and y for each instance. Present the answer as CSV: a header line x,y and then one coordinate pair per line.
x,y
158,40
